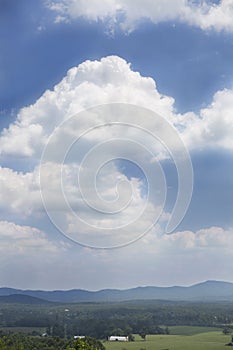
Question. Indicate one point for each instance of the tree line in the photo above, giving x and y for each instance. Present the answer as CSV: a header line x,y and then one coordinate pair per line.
x,y
23,342
100,320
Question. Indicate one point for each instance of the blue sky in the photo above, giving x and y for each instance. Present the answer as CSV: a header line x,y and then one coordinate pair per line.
x,y
183,60
191,70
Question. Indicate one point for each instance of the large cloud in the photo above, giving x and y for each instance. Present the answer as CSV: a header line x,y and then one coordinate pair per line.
x,y
89,84
112,80
127,14
92,83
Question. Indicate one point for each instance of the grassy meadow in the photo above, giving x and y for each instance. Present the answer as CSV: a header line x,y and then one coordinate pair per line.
x,y
191,338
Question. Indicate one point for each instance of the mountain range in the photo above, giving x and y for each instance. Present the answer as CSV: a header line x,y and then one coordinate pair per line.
x,y
205,291
22,299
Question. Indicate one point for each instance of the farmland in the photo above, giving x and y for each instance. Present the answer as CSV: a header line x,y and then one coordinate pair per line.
x,y
202,340
166,325
100,320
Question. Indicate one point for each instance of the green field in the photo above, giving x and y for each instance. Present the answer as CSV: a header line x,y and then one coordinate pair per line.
x,y
191,330
210,340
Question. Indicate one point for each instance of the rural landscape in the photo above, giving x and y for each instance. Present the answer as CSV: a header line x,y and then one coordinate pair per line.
x,y
29,322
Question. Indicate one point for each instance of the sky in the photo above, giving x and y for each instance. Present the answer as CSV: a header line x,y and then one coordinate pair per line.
x,y
116,151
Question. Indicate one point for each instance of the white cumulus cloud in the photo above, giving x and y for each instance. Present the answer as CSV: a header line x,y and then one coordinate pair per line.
x,y
90,84
94,83
213,127
128,14
111,80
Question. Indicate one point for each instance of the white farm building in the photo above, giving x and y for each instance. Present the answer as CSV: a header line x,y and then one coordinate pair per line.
x,y
79,336
118,338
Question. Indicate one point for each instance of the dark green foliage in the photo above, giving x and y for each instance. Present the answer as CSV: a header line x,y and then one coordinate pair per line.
x,y
143,332
23,342
87,343
100,320
226,330
131,337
